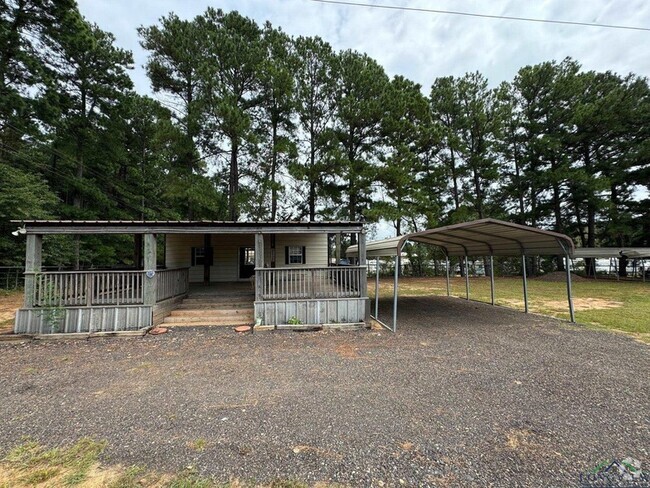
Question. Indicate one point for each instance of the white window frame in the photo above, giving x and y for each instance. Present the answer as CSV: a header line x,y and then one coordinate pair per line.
x,y
295,255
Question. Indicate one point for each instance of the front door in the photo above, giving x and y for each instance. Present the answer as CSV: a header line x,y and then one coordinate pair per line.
x,y
246,262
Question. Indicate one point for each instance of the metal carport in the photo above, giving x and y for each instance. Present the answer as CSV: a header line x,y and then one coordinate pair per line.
x,y
485,237
639,253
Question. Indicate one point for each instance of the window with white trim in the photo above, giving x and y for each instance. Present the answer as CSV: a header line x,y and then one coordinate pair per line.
x,y
295,255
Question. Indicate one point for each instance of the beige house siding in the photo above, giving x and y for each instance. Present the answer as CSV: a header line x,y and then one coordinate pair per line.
x,y
178,252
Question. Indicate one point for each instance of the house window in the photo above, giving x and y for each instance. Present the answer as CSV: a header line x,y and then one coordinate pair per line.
x,y
295,255
200,257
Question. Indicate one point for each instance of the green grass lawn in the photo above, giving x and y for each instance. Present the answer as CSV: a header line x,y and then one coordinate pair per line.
x,y
622,306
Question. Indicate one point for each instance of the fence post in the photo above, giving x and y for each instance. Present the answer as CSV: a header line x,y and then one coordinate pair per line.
x,y
33,261
90,280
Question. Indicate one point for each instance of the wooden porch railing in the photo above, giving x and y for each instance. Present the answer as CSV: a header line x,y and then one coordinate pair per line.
x,y
100,288
309,283
172,283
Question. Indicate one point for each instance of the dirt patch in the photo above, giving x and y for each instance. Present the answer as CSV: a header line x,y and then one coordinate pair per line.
x,y
579,304
347,351
9,303
584,304
560,276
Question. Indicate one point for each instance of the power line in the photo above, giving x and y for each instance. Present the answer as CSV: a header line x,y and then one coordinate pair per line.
x,y
484,16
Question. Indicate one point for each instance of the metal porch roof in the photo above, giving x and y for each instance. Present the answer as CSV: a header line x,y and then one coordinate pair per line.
x,y
179,226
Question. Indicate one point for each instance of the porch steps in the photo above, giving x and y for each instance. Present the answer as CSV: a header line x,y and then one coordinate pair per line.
x,y
193,302
219,310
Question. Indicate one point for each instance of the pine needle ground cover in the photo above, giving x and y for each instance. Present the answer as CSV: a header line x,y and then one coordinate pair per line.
x,y
620,306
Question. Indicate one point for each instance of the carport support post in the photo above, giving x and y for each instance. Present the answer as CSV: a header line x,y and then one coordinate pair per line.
x,y
466,277
447,267
150,284
33,260
523,272
492,279
377,288
395,286
568,287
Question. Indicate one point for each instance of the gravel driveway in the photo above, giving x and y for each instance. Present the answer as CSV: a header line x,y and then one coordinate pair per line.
x,y
463,394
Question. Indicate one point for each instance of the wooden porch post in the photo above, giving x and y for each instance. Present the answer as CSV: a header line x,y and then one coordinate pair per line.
x,y
137,251
363,280
207,259
259,264
33,261
337,253
150,285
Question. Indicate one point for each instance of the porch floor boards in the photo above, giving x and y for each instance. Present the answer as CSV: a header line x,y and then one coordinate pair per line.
x,y
218,304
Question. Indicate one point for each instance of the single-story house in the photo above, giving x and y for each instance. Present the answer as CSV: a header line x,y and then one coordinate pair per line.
x,y
286,265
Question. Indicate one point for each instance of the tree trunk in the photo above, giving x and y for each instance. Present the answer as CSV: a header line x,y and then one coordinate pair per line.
x,y
233,186
591,218
454,178
274,168
352,193
312,182
557,211
479,195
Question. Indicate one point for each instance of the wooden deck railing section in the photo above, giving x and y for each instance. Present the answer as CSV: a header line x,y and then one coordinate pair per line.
x,y
309,283
104,288
172,283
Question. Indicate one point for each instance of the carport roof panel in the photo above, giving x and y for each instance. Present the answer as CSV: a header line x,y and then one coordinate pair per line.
x,y
478,238
612,252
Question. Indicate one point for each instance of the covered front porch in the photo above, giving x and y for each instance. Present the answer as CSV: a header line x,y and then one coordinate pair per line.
x,y
286,268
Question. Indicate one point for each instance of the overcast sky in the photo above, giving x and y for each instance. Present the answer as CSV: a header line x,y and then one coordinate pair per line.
x,y
423,46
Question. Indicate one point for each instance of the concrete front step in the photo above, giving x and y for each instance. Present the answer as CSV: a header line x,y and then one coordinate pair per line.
x,y
234,296
213,300
212,312
207,324
215,306
232,320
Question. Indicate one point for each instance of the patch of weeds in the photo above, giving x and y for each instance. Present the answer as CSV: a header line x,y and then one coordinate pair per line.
x,y
293,320
41,475
32,464
198,445
190,479
288,484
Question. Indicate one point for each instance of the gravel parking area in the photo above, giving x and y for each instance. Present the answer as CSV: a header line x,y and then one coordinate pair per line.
x,y
464,394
